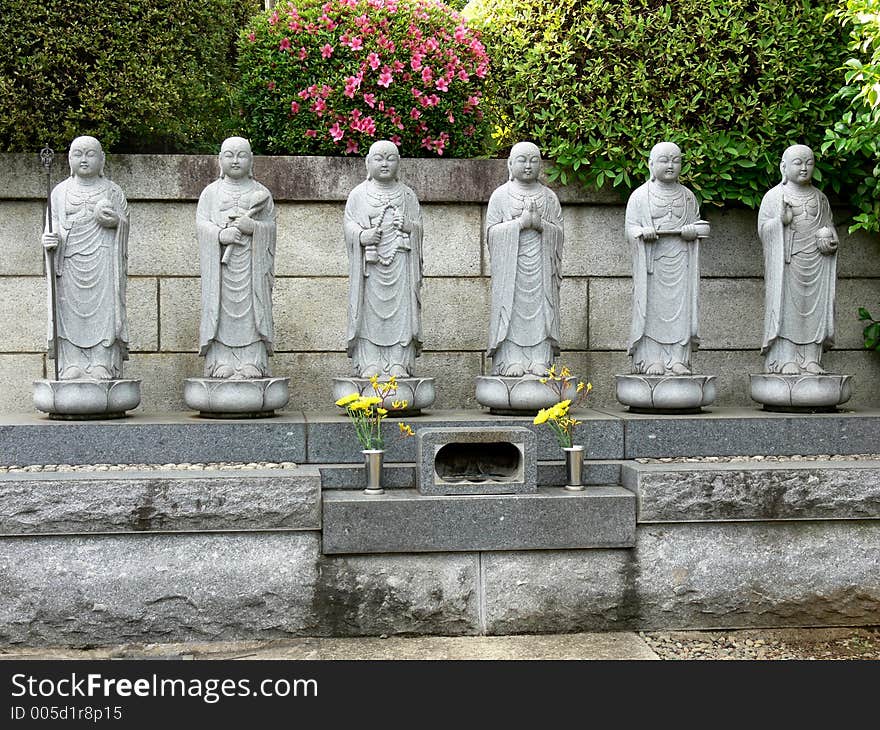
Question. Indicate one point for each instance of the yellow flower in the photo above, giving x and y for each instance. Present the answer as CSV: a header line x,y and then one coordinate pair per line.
x,y
346,399
371,400
358,405
552,371
543,380
399,404
566,373
580,387
542,416
406,430
374,381
381,411
589,387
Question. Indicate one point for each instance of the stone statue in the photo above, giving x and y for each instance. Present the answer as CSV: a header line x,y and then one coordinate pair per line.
x,y
89,247
383,235
800,267
525,233
236,230
235,224
663,229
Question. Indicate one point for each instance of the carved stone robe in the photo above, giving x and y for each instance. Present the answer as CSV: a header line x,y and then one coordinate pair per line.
x,y
800,281
526,269
384,303
237,280
666,273
90,273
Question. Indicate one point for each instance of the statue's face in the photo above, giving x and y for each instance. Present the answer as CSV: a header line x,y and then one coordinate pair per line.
x,y
798,164
525,163
383,163
665,163
85,157
236,159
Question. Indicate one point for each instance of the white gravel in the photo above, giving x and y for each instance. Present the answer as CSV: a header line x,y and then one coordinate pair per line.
x,y
186,466
758,457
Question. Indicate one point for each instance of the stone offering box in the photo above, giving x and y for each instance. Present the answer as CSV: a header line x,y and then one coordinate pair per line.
x,y
465,460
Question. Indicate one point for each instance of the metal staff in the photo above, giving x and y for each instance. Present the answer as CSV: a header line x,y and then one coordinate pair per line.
x,y
46,157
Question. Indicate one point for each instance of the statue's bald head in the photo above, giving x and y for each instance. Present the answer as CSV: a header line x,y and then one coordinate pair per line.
x,y
235,155
235,143
86,145
664,162
524,162
797,164
383,161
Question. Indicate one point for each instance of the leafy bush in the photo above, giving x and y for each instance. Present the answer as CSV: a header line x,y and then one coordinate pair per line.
x,y
140,76
871,332
597,82
332,77
858,131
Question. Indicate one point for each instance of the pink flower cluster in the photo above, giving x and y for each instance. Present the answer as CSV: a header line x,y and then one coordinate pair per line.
x,y
352,71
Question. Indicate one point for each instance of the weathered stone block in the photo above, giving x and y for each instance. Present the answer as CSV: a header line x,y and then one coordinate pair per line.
x,y
507,454
163,241
755,491
310,314
180,313
20,238
864,366
397,594
162,377
693,576
852,294
76,591
455,313
310,240
17,376
733,432
451,240
408,522
25,316
311,378
142,299
594,242
574,314
174,439
102,501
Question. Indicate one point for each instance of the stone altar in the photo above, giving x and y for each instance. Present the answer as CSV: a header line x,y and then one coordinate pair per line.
x,y
86,249
524,230
664,230
235,223
383,235
800,269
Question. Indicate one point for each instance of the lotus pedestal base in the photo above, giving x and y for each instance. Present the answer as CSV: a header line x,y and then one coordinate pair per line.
x,y
665,394
800,393
228,398
86,399
418,393
524,396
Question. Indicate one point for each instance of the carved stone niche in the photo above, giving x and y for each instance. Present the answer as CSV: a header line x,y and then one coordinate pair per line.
x,y
453,461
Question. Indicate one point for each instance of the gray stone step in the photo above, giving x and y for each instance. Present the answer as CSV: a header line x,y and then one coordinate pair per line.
x,y
404,521
754,490
166,501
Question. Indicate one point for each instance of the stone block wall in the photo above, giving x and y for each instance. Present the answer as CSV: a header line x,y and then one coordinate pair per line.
x,y
310,296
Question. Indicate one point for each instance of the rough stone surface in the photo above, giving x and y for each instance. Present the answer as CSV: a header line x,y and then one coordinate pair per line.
x,y
20,237
431,440
732,575
80,591
363,595
171,501
729,432
783,491
405,521
162,377
170,439
17,376
24,318
455,313
452,240
162,241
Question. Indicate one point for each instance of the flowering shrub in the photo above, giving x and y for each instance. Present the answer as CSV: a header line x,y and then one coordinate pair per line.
x,y
333,77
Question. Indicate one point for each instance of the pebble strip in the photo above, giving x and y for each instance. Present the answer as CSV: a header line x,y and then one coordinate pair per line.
x,y
758,457
218,466
830,643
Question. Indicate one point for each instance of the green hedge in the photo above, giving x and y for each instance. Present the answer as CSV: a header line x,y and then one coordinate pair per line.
x,y
141,75
597,82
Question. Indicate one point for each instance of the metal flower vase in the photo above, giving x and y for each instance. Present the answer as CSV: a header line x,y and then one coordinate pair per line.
x,y
373,470
574,468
